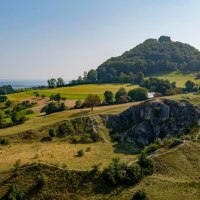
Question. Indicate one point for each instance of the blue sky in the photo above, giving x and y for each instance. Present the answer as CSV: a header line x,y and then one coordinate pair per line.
x,y
40,39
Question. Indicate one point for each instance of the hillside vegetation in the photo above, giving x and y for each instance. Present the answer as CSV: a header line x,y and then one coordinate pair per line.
x,y
152,56
172,180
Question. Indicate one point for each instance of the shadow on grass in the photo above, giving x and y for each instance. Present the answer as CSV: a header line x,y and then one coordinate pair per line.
x,y
127,148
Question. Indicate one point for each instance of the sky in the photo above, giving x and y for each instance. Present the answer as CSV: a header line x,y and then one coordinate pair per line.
x,y
41,39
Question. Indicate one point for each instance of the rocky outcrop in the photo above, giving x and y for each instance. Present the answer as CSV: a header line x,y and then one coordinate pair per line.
x,y
90,125
154,118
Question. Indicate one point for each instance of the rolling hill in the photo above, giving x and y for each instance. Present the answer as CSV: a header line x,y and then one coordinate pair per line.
x,y
152,56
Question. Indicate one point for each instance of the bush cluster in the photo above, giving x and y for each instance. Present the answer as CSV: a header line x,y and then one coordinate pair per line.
x,y
4,141
53,107
14,193
118,173
140,195
16,113
80,153
3,98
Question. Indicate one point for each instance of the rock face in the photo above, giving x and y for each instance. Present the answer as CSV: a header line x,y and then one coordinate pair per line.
x,y
152,119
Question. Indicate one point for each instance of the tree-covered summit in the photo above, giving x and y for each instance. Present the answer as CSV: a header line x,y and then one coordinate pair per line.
x,y
151,56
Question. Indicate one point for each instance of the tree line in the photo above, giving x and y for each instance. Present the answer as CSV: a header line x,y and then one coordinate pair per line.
x,y
53,82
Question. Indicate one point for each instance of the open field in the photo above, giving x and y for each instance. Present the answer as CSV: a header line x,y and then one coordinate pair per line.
x,y
178,77
73,92
61,153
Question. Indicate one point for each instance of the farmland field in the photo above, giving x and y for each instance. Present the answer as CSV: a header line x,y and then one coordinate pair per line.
x,y
73,92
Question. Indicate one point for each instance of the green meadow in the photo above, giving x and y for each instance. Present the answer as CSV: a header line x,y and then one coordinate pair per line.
x,y
73,92
176,76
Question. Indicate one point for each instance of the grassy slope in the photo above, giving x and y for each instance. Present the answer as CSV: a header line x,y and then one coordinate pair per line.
x,y
73,92
176,177
61,152
44,120
177,77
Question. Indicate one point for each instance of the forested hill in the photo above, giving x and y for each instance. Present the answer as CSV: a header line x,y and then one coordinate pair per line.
x,y
149,57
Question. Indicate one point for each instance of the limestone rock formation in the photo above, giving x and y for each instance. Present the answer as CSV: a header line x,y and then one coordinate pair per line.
x,y
154,118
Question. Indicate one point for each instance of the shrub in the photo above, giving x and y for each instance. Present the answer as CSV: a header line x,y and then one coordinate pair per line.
x,y
53,107
120,93
8,104
151,148
123,99
14,193
167,141
51,132
118,173
3,98
41,180
37,95
4,141
17,118
78,104
140,195
138,94
63,129
108,96
159,142
146,165
56,97
80,153
23,105
29,112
